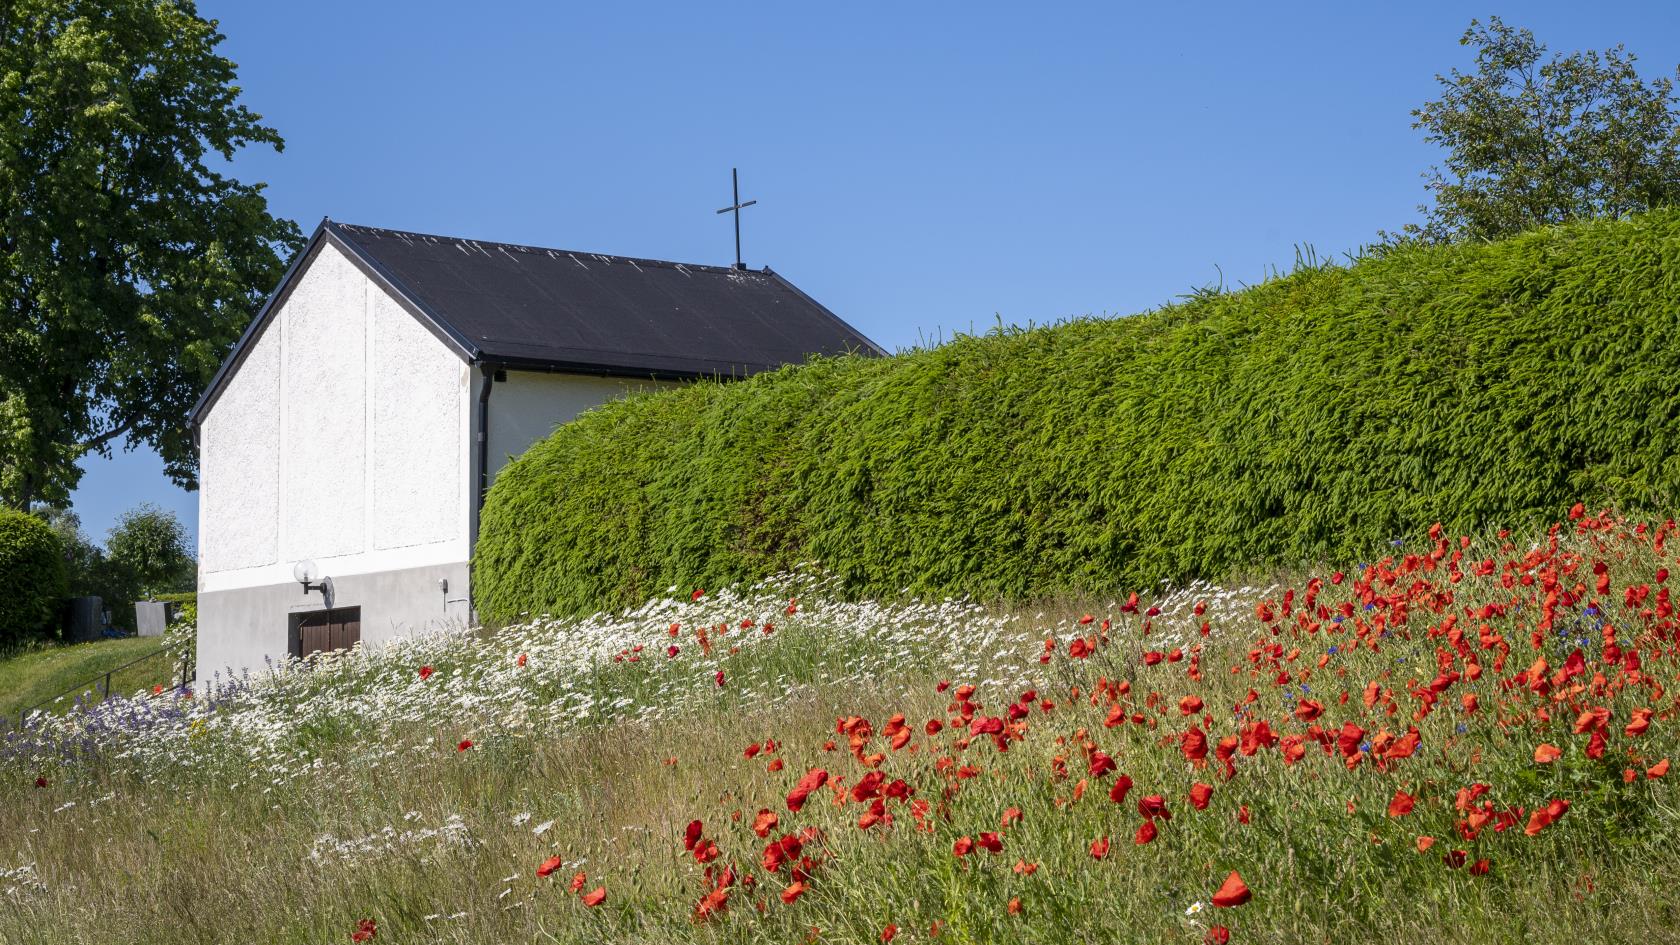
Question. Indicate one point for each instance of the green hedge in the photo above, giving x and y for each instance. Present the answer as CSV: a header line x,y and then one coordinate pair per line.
x,y
1315,416
32,574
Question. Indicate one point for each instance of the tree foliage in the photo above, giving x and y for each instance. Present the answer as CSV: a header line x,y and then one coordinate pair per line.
x,y
129,259
148,548
1314,417
32,573
1532,140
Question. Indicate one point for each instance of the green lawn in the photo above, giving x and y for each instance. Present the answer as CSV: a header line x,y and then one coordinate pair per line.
x,y
37,674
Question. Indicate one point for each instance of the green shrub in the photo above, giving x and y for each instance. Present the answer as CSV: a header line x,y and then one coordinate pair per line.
x,y
1314,416
32,573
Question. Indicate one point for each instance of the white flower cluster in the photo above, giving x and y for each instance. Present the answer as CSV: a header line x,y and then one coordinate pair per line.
x,y
20,882
452,833
740,647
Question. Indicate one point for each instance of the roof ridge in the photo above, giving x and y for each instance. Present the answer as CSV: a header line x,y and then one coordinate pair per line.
x,y
551,251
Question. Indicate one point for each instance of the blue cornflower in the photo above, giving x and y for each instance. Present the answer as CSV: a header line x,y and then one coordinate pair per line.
x,y
1335,649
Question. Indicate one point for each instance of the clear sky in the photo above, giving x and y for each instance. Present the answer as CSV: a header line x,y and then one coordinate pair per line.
x,y
921,168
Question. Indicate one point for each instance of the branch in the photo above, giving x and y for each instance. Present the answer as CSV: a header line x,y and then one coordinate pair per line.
x,y
127,424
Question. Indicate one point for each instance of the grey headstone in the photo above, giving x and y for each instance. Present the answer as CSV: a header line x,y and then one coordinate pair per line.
x,y
87,619
151,617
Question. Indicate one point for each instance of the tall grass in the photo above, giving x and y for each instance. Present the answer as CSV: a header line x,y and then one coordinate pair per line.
x,y
289,807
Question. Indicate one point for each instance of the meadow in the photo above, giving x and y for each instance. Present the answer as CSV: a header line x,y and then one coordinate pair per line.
x,y
1465,741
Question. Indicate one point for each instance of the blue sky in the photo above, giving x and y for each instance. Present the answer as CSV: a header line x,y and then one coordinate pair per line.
x,y
920,168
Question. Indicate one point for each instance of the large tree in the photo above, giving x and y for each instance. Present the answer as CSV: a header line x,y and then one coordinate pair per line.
x,y
1533,140
129,259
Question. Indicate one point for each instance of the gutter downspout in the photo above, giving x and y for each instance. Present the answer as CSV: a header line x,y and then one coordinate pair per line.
x,y
483,479
483,442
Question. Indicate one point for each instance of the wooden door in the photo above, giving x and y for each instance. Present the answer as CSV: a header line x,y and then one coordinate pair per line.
x,y
324,630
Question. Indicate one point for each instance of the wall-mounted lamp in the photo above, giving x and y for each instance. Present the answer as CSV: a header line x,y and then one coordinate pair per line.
x,y
305,572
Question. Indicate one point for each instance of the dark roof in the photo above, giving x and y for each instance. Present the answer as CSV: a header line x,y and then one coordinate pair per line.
x,y
559,310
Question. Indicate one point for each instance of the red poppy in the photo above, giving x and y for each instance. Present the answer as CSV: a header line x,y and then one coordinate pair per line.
x,y
366,929
1200,794
1193,744
813,779
578,879
521,660
1657,770
991,842
1544,817
793,892
1154,806
595,896
1190,705
718,678
1015,906
1217,935
1401,805
764,822
548,866
698,593
963,846
464,744
1145,833
42,782
1349,738
1099,848
1101,763
1122,785
691,835
888,932
426,673
1233,892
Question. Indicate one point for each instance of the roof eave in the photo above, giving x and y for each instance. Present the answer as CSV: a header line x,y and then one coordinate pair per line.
x,y
873,348
326,232
241,348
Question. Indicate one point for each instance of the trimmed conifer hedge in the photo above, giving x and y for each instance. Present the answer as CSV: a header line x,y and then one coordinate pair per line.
x,y
1316,416
32,575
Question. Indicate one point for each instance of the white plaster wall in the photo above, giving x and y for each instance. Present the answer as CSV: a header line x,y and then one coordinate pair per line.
x,y
324,375
530,404
343,437
239,468
416,443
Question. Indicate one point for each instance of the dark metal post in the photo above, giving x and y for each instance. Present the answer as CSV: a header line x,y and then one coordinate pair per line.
x,y
736,208
735,178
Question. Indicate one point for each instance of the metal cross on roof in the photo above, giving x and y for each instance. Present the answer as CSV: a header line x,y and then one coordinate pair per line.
x,y
736,209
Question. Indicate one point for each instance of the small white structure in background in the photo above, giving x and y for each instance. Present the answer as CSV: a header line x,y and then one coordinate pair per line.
x,y
356,425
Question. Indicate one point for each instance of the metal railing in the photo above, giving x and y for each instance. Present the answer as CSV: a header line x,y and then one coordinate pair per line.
x,y
102,683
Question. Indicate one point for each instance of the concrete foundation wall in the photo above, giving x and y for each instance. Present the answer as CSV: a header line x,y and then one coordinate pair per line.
x,y
239,628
